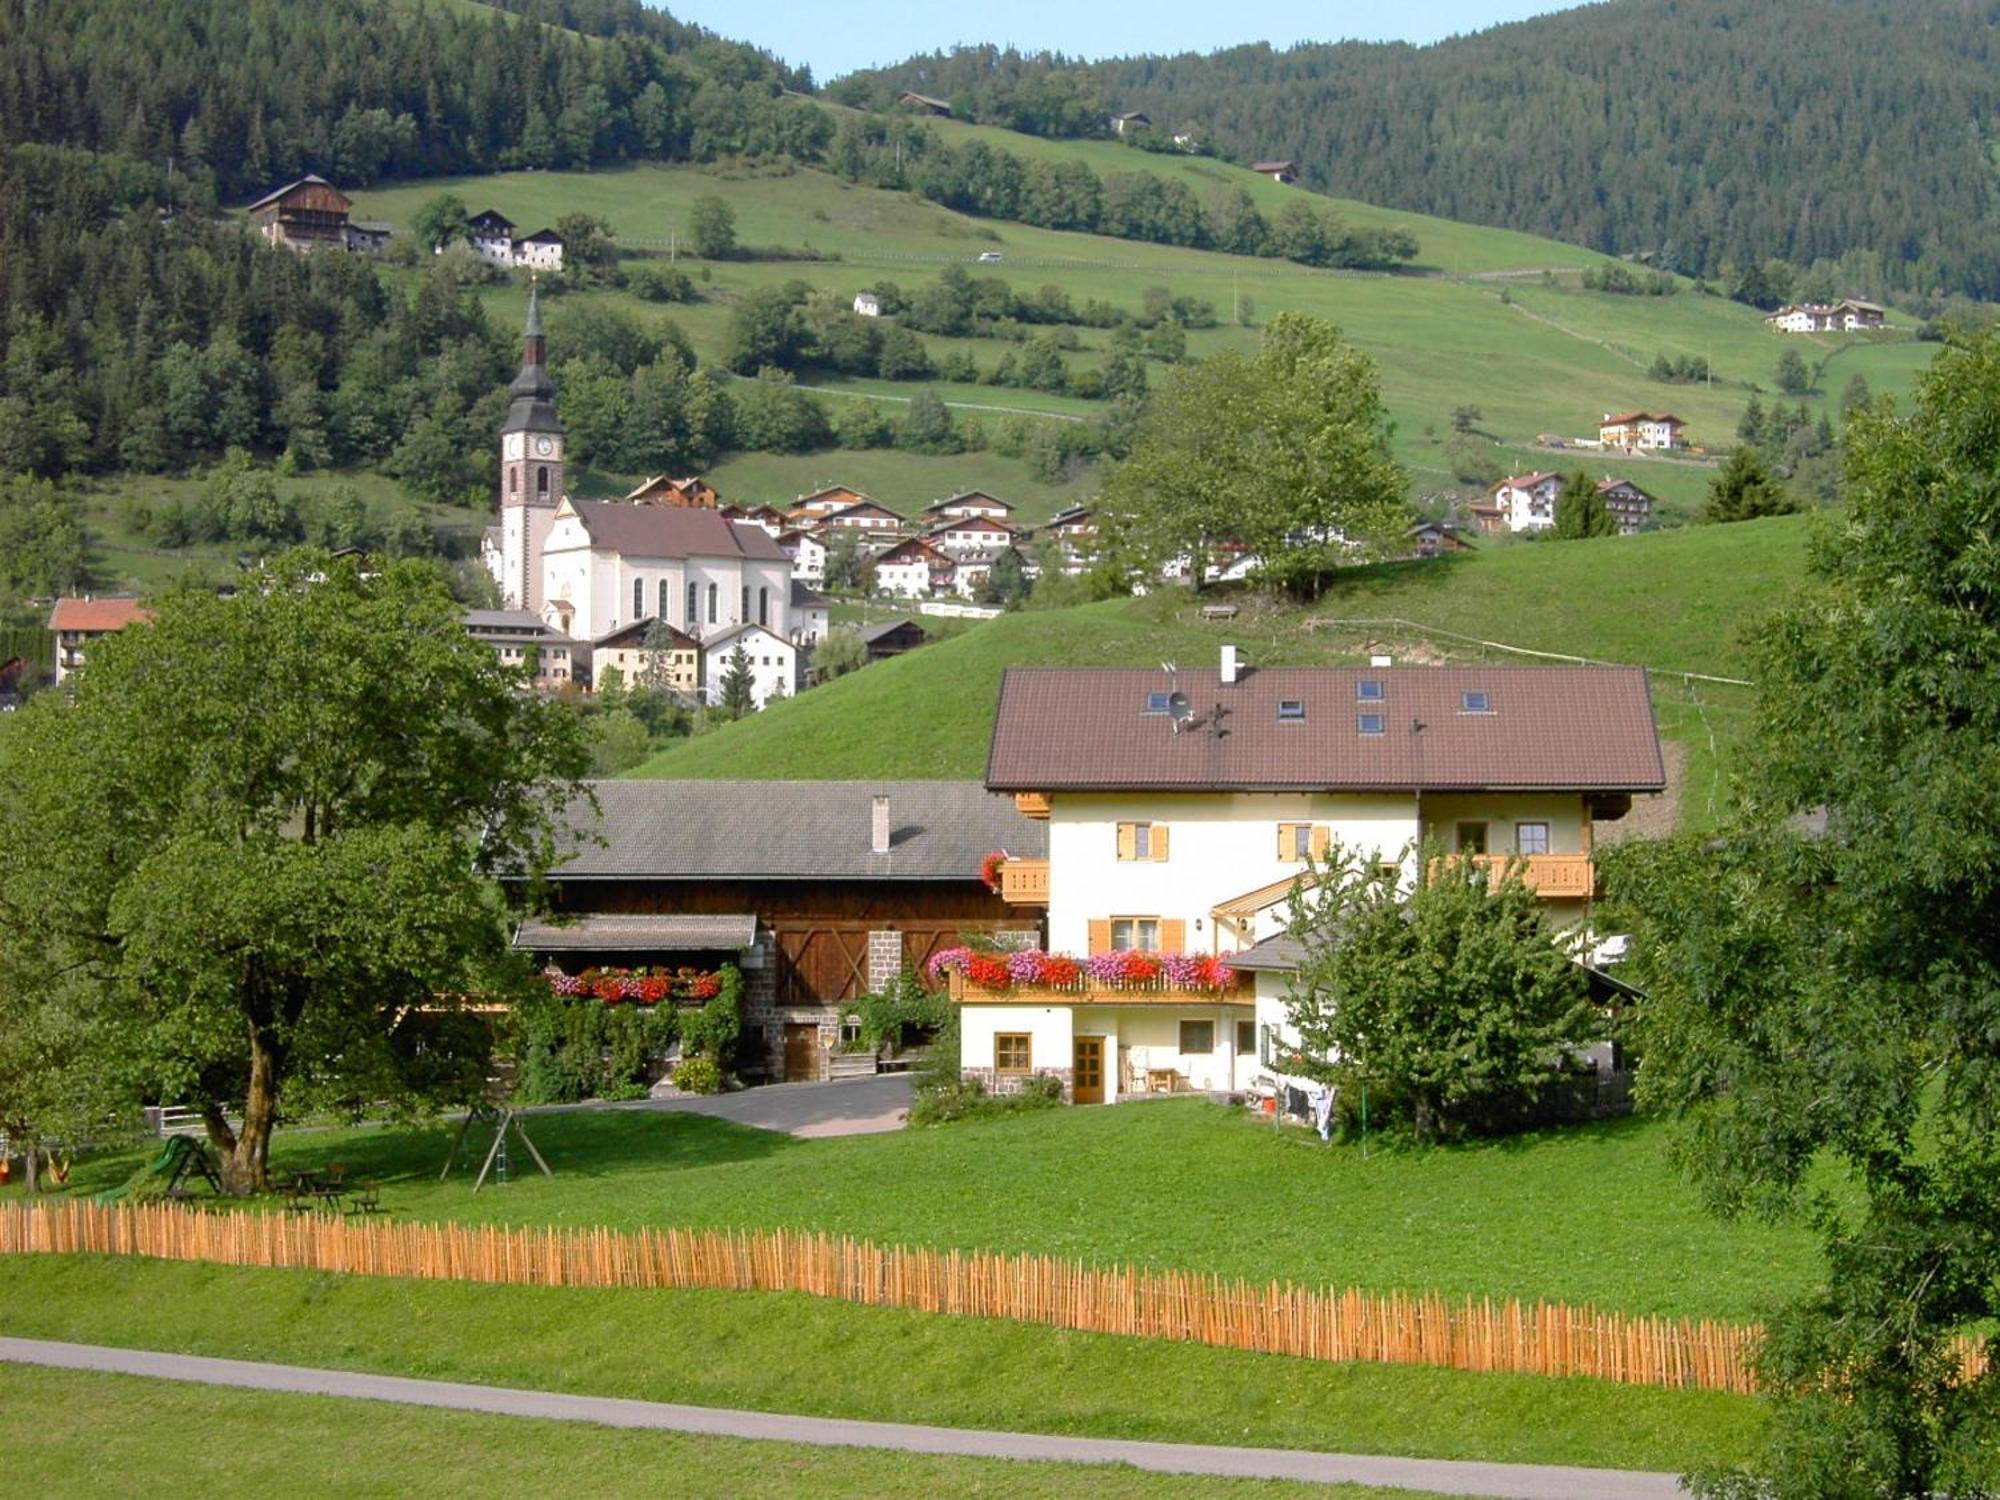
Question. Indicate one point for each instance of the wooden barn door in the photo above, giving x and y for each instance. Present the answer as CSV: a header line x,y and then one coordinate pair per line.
x,y
822,964
801,1051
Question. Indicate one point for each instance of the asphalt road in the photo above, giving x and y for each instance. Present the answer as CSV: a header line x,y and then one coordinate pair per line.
x,y
1437,1476
853,1106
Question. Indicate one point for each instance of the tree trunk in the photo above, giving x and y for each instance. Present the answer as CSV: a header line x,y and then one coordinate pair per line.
x,y
246,1153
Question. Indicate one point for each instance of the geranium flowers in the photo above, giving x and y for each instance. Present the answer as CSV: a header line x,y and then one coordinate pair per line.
x,y
684,986
1133,967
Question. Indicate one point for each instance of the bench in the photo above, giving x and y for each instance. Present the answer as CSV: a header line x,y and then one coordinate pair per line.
x,y
1218,611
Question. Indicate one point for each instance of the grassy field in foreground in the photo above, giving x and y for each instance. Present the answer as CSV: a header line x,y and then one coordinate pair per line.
x,y
1590,1214
778,1352
119,1431
1675,601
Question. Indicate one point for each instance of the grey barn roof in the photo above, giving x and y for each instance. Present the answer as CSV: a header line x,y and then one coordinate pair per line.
x,y
793,830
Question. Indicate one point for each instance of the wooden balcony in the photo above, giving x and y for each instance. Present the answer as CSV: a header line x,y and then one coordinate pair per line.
x,y
1025,882
1553,877
1240,991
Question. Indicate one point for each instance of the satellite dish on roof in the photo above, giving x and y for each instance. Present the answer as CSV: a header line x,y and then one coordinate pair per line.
x,y
1179,710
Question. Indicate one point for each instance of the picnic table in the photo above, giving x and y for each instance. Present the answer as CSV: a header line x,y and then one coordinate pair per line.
x,y
322,1189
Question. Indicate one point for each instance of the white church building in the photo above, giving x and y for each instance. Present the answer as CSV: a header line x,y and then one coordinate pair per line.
x,y
593,567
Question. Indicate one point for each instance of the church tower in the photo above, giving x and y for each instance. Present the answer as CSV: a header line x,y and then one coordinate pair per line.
x,y
531,470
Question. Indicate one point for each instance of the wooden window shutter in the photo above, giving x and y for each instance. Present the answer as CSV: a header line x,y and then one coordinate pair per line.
x,y
1159,841
1100,935
1127,840
1319,843
1284,841
1173,935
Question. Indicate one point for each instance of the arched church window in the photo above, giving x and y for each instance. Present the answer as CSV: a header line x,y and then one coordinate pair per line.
x,y
513,481
541,479
763,606
638,599
689,621
711,604
662,611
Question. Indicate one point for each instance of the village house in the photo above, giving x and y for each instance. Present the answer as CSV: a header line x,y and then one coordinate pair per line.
x,y
971,536
1182,810
1435,539
528,643
924,103
808,555
867,304
866,516
692,493
911,569
1121,124
967,504
767,516
1521,502
812,617
1074,531
649,652
78,623
1844,316
1277,171
772,658
820,891
312,214
1637,431
1630,506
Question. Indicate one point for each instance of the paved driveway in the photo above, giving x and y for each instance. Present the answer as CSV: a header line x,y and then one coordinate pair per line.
x,y
853,1106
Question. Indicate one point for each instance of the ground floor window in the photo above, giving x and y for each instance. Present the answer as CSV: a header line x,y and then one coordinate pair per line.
x,y
1197,1038
1012,1052
1246,1038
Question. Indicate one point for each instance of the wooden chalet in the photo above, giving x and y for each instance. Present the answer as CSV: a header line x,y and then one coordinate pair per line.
x,y
692,493
910,99
891,638
821,891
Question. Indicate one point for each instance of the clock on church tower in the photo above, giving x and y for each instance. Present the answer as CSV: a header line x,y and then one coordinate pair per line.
x,y
531,439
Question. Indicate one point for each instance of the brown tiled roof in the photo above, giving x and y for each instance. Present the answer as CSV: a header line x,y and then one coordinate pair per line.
x,y
96,614
1641,416
1553,728
673,531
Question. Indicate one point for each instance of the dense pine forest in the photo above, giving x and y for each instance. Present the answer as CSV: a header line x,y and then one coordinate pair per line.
x,y
1707,133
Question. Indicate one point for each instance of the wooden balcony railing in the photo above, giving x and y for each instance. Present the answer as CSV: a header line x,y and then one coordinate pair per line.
x,y
1025,882
1240,991
1553,877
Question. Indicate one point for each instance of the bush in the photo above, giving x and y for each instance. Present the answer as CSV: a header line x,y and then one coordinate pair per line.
x,y
965,1099
698,1075
570,1049
664,284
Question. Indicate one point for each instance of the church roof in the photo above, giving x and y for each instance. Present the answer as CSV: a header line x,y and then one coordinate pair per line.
x,y
673,531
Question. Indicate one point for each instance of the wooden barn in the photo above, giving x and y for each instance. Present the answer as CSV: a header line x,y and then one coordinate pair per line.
x,y
304,215
820,890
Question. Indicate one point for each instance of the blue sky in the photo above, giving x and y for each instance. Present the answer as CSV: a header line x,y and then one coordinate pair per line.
x,y
838,38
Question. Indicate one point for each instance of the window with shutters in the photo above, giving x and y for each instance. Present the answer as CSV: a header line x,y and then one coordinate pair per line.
x,y
1013,1052
1146,841
1141,933
1197,1038
1295,841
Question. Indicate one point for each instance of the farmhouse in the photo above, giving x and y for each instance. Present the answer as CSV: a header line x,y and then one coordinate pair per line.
x,y
824,502
808,555
864,515
867,304
912,569
1630,506
77,623
492,236
1844,316
891,638
1277,171
821,891
1639,430
1178,826
652,652
812,615
1435,538
968,536
522,640
924,103
1121,124
540,251
767,516
1074,531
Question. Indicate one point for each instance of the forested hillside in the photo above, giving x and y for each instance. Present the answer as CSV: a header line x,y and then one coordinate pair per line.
x,y
1709,133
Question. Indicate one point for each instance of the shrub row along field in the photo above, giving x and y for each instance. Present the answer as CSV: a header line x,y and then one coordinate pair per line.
x,y
1674,601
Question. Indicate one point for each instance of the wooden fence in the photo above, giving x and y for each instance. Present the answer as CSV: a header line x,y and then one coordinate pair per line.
x,y
1275,1318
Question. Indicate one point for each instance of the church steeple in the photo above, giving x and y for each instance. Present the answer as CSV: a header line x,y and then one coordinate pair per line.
x,y
531,468
532,386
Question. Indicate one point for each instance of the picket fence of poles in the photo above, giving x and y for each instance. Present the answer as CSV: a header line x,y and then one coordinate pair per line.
x,y
1539,1338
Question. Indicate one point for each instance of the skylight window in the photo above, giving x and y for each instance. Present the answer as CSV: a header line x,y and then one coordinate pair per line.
x,y
1372,723
1475,701
1156,703
1291,710
1370,690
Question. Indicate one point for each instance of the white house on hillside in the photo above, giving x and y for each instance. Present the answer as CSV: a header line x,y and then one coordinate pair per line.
x,y
1635,430
1176,844
1521,502
971,535
911,569
967,504
773,660
1630,506
868,304
492,236
540,251
1844,316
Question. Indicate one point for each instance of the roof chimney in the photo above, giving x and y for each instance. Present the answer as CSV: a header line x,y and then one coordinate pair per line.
x,y
1229,666
1381,661
878,827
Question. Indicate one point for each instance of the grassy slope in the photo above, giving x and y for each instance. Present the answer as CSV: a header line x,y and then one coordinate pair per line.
x,y
255,1444
1550,359
1674,601
796,1354
1594,1215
